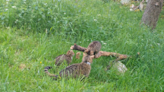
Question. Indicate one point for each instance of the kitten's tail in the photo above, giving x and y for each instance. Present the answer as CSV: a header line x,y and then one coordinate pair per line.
x,y
49,74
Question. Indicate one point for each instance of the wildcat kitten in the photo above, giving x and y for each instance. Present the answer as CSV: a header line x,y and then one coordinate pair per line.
x,y
93,48
68,57
75,70
78,55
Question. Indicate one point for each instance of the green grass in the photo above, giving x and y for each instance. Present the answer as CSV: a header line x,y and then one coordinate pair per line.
x,y
24,40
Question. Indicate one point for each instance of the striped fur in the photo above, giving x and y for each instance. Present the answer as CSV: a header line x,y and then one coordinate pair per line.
x,y
93,48
74,70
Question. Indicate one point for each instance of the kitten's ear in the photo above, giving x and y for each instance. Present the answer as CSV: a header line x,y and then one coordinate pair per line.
x,y
79,53
68,52
92,56
84,54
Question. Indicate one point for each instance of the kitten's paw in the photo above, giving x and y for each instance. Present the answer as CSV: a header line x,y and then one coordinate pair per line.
x,y
71,47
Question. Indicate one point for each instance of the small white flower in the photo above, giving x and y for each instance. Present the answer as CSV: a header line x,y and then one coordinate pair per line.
x,y
104,43
16,21
7,0
14,7
6,9
45,4
8,27
131,9
95,19
158,44
64,13
99,15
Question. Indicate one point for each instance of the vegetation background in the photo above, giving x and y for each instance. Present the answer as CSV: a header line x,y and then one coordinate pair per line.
x,y
34,32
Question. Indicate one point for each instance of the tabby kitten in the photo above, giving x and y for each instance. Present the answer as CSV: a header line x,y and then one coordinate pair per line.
x,y
93,48
74,70
67,57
